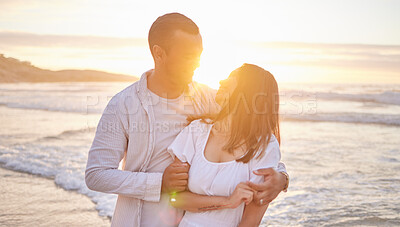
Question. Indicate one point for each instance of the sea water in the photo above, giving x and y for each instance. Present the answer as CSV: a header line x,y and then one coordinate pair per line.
x,y
340,143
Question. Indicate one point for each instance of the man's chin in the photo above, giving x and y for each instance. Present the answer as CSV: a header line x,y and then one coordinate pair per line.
x,y
183,83
186,80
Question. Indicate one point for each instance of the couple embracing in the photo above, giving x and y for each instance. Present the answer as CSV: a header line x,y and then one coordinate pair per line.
x,y
190,156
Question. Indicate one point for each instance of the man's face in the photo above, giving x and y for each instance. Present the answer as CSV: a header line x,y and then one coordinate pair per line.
x,y
183,57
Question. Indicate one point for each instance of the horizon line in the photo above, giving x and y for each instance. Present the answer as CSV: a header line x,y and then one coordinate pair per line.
x,y
9,35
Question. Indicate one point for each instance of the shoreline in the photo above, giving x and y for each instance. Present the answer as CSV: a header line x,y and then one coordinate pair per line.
x,y
30,200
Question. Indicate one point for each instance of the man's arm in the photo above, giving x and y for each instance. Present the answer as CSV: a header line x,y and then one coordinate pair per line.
x,y
108,149
252,215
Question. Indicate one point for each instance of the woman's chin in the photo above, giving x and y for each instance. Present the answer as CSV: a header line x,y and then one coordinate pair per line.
x,y
218,99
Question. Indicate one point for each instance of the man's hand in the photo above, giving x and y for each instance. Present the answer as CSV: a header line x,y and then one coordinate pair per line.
x,y
175,177
273,184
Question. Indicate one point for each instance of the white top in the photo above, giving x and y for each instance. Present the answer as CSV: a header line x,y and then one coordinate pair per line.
x,y
218,179
126,135
170,119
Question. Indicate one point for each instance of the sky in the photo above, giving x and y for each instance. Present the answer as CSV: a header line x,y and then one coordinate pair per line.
x,y
298,41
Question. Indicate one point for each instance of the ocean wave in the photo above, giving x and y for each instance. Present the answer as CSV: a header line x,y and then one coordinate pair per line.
x,y
366,220
69,133
64,164
365,118
52,91
74,108
386,97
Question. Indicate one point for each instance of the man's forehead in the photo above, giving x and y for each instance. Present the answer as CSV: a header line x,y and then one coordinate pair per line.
x,y
186,42
182,36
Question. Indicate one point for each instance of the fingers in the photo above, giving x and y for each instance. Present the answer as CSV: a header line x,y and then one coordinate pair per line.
x,y
257,187
264,172
247,187
178,186
245,193
240,195
262,194
179,164
263,197
181,176
179,189
248,197
177,161
244,185
181,183
179,168
175,177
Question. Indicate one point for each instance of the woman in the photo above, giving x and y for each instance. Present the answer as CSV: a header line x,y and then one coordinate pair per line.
x,y
224,150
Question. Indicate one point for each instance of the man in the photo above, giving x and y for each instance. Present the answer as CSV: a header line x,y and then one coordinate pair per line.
x,y
141,121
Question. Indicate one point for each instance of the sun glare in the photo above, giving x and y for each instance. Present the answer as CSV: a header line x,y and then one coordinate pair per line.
x,y
218,60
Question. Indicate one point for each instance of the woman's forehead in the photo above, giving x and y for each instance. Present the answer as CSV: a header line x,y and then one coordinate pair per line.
x,y
234,73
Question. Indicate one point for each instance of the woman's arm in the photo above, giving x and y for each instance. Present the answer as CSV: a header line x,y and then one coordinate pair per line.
x,y
253,214
199,203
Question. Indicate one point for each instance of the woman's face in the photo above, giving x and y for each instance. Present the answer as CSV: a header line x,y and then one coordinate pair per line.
x,y
225,90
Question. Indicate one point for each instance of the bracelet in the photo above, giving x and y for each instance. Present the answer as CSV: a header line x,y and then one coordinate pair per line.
x,y
287,182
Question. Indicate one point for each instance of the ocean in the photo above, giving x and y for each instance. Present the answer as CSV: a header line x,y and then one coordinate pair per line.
x,y
340,143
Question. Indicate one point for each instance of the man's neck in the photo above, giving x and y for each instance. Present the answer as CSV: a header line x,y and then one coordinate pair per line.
x,y
159,84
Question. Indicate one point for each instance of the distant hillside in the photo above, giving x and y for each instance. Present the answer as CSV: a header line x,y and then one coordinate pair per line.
x,y
13,70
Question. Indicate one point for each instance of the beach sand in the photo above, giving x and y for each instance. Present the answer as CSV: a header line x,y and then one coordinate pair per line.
x,y
29,200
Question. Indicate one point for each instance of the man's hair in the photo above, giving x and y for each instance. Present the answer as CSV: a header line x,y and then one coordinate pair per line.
x,y
162,30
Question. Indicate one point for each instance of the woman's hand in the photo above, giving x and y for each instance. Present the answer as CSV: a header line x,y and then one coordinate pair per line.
x,y
242,193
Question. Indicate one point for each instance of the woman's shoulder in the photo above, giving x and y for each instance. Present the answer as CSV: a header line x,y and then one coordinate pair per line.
x,y
198,130
272,146
199,124
273,140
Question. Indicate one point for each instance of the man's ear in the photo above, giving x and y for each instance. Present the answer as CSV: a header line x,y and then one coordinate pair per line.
x,y
158,53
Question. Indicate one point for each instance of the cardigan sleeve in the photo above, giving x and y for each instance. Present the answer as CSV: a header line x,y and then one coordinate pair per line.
x,y
107,151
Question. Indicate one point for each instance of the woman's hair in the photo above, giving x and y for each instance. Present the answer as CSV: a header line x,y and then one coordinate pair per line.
x,y
254,105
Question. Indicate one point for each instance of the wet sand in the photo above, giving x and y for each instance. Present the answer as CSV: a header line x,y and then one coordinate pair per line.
x,y
29,200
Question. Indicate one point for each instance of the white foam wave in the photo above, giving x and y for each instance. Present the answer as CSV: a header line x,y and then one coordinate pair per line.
x,y
65,164
386,97
69,133
73,107
384,119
